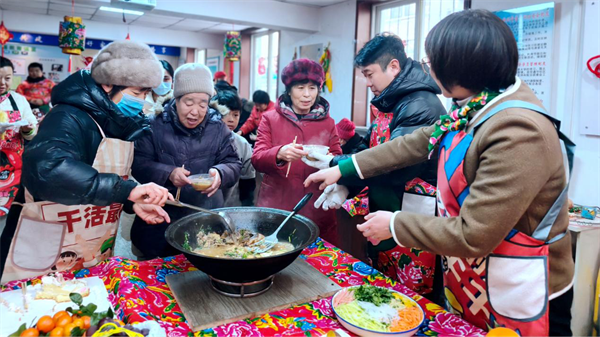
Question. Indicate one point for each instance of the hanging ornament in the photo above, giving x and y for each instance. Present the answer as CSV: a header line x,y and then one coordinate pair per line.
x,y
325,61
71,35
295,54
127,37
5,36
232,48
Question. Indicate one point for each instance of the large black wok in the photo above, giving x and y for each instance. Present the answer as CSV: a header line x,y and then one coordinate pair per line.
x,y
265,221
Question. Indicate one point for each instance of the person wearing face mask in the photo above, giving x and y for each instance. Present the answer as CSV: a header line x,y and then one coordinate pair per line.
x,y
185,140
76,170
160,95
301,117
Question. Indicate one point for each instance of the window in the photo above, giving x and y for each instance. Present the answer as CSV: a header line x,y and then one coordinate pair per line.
x,y
265,57
411,20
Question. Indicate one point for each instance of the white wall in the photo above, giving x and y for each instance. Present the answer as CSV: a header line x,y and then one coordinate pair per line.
x,y
567,80
337,25
46,24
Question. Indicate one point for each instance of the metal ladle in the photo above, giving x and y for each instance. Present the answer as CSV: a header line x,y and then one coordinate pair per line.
x,y
229,225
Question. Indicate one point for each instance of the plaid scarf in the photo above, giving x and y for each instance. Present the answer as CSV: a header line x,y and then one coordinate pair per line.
x,y
319,111
458,118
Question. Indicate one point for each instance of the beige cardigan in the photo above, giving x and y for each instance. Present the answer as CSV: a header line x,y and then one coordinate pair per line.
x,y
515,171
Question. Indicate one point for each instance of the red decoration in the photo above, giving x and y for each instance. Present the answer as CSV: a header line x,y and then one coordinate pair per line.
x,y
127,37
5,36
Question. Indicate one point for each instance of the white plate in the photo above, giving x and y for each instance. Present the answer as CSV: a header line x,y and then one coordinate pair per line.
x,y
371,333
11,321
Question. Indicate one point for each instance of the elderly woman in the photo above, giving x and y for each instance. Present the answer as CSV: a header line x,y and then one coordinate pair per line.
x,y
184,141
301,115
76,168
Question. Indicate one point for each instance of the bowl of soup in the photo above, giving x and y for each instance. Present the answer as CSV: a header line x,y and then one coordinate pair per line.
x,y
201,182
320,149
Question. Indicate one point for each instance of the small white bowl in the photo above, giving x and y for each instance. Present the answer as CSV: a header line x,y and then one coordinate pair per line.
x,y
320,149
372,333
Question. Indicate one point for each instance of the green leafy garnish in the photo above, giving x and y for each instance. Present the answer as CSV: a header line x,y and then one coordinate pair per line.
x,y
290,237
186,242
18,333
77,331
375,295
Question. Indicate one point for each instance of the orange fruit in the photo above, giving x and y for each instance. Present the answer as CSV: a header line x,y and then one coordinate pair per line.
x,y
63,320
502,332
45,324
74,317
68,328
57,332
58,314
31,332
87,322
78,322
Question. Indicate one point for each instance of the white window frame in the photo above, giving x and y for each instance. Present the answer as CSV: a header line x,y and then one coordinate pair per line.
x,y
253,64
376,20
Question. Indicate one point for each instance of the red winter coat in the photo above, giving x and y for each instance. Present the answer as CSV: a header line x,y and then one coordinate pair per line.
x,y
254,120
278,128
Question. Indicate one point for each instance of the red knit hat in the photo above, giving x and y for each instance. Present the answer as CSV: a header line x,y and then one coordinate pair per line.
x,y
219,75
302,69
345,129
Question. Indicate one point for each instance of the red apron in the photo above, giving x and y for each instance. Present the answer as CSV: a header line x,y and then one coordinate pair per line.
x,y
11,152
509,287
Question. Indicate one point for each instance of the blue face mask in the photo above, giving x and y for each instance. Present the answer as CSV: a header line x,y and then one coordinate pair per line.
x,y
163,88
130,105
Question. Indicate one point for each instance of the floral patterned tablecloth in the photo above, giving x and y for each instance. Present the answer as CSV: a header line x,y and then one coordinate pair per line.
x,y
138,292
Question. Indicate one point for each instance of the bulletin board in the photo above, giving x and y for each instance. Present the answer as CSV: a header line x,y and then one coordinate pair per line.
x,y
589,123
533,28
213,63
55,63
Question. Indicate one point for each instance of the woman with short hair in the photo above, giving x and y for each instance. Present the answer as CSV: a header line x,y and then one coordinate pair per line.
x,y
502,190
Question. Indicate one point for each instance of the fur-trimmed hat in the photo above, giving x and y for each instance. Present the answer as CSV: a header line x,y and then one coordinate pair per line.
x,y
192,78
302,69
127,63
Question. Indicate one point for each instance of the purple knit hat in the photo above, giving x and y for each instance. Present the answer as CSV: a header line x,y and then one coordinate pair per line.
x,y
302,69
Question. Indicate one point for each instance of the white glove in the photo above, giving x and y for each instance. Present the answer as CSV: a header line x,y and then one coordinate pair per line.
x,y
322,160
333,197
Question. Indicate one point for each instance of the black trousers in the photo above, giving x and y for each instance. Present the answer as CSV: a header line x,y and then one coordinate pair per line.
x,y
560,314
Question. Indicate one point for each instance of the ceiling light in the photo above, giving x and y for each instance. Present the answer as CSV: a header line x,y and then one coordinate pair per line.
x,y
120,10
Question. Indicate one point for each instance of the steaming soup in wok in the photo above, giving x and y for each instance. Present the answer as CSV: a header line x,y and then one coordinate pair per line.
x,y
237,246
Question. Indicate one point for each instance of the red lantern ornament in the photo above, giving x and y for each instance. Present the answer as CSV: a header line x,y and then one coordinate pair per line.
x,y
5,36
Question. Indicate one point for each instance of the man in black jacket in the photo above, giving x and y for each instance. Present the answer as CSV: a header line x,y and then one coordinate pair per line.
x,y
406,97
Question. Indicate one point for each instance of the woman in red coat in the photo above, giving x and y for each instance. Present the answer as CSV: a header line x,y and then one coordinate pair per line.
x,y
303,115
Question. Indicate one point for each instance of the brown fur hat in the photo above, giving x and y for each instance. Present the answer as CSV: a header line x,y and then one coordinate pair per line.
x,y
127,63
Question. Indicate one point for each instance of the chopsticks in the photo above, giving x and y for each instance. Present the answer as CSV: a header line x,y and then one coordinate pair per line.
x,y
179,188
24,293
290,163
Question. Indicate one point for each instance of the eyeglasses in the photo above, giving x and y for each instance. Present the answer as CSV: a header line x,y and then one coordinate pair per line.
x,y
425,64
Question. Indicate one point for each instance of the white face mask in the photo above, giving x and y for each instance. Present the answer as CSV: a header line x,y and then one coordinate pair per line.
x,y
163,88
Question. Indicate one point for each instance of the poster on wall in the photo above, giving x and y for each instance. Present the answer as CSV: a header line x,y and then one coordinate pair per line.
x,y
55,63
533,27
213,64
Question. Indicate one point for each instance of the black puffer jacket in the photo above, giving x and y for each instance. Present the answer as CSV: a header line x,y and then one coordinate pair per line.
x,y
412,97
172,145
57,164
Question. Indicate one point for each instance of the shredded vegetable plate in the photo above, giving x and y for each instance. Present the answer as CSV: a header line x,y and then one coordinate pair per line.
x,y
377,309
